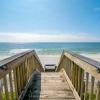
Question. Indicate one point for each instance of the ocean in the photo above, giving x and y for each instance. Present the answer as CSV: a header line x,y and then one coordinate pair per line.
x,y
7,49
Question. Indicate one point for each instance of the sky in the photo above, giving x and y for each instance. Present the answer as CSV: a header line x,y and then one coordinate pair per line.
x,y
49,20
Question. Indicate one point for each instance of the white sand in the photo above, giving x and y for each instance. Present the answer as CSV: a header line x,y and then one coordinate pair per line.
x,y
49,59
54,59
3,57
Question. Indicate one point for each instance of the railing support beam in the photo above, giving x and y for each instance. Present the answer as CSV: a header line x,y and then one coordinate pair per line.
x,y
98,91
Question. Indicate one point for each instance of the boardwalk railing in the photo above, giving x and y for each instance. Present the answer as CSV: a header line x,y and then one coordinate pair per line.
x,y
83,74
15,73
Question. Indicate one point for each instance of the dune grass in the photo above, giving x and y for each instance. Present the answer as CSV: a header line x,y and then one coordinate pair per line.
x,y
87,96
10,98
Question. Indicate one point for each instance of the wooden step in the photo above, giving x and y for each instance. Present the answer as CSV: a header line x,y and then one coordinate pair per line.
x,y
50,86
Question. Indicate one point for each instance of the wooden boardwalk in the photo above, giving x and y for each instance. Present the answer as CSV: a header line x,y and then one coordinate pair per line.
x,y
23,78
50,86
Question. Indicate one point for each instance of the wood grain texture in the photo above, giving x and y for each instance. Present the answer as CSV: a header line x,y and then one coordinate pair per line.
x,y
50,85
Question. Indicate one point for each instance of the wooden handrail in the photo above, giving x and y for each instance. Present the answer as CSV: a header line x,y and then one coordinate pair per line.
x,y
79,70
15,73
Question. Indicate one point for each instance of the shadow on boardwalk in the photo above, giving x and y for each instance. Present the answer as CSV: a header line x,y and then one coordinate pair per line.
x,y
33,92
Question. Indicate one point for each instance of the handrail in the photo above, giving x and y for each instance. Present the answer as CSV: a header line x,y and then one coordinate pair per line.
x,y
79,70
15,73
14,57
86,59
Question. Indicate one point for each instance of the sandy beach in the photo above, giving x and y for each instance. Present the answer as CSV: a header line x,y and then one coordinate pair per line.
x,y
3,57
49,59
54,59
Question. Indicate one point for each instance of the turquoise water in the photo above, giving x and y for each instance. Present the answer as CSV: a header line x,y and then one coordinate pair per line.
x,y
49,48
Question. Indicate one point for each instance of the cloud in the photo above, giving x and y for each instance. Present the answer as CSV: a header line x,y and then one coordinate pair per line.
x,y
36,37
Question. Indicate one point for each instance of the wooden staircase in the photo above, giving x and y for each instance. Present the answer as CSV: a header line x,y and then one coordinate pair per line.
x,y
22,77
49,86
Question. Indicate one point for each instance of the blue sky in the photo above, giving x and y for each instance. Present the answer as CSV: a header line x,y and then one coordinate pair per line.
x,y
79,19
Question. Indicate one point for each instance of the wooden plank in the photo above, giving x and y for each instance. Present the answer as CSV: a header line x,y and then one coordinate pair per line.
x,y
98,91
90,61
71,86
12,58
6,88
76,78
82,83
87,66
15,60
56,99
92,88
79,81
20,76
18,80
11,85
1,94
86,86
51,87
15,84
73,82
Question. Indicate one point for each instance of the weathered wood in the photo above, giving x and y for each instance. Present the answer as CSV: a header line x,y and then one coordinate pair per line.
x,y
86,65
20,75
86,86
12,58
76,78
74,65
1,94
82,83
6,88
16,60
71,71
50,85
79,81
98,91
73,77
92,62
92,88
11,86
24,73
18,80
19,64
21,71
71,86
15,83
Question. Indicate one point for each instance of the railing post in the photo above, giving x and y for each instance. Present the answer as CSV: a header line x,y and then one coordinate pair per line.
x,y
15,84
92,88
11,85
98,91
20,71
76,78
22,75
6,88
86,86
82,84
72,71
18,79
1,94
74,75
79,81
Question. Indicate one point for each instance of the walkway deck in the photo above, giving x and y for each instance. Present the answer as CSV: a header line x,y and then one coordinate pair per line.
x,y
23,78
49,86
